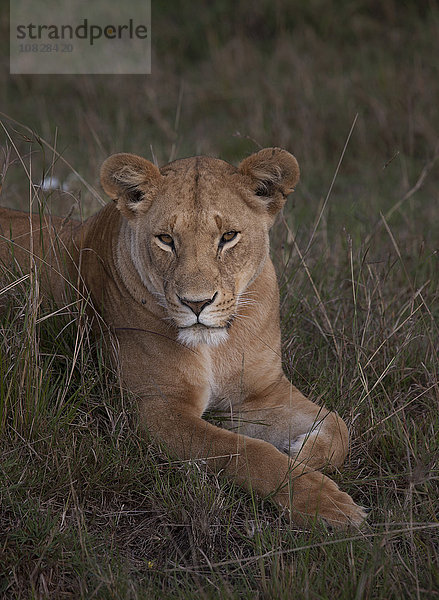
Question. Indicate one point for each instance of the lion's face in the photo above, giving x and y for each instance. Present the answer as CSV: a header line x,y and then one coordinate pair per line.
x,y
203,245
198,231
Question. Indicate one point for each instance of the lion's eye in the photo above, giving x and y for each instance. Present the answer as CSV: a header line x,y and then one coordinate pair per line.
x,y
166,239
228,237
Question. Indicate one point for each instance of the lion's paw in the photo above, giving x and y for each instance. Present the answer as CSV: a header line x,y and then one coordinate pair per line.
x,y
340,511
315,496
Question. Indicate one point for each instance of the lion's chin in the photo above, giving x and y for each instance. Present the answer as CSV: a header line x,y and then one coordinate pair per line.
x,y
199,334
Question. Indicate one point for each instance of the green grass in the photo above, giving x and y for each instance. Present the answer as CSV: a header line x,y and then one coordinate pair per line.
x,y
91,509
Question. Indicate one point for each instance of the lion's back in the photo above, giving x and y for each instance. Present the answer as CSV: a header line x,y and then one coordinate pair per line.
x,y
27,239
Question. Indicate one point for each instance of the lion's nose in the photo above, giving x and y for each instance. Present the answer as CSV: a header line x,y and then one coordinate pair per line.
x,y
197,306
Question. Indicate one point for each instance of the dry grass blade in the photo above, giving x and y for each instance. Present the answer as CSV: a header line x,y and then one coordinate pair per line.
x,y
59,156
411,192
321,304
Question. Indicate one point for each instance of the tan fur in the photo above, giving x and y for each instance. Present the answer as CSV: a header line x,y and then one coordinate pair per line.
x,y
150,290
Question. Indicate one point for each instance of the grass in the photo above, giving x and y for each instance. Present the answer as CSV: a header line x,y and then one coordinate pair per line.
x,y
89,508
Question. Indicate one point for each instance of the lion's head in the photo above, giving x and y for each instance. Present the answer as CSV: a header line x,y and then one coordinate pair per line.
x,y
198,231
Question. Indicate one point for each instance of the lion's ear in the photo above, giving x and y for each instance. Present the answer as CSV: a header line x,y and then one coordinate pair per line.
x,y
131,181
273,172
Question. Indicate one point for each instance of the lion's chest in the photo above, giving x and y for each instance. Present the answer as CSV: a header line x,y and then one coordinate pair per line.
x,y
225,382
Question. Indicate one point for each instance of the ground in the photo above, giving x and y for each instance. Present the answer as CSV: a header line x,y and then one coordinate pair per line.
x,y
89,508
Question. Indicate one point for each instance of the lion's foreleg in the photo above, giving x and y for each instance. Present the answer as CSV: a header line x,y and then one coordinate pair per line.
x,y
252,463
294,424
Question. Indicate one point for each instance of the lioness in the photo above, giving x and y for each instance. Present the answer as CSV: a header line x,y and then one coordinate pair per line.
x,y
178,268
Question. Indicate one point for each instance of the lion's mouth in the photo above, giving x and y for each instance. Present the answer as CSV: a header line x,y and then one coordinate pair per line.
x,y
201,326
